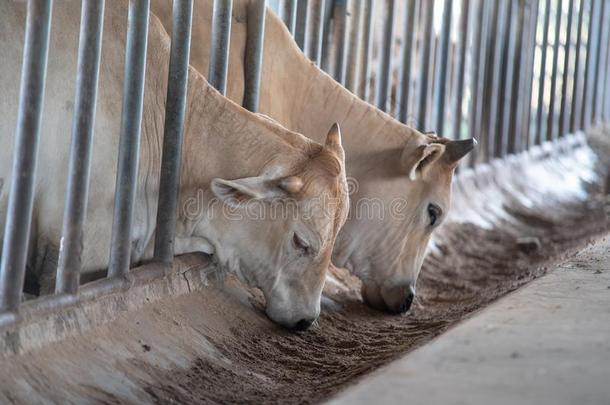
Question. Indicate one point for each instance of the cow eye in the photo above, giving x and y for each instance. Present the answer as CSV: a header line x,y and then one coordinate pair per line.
x,y
434,212
300,244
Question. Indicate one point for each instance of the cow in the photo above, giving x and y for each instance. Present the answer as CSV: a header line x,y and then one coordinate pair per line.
x,y
401,173
232,160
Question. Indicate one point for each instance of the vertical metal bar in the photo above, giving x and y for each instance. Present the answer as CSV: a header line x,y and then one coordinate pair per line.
x,y
169,182
492,74
367,43
27,134
530,47
426,60
129,143
300,29
221,39
385,57
507,76
441,68
515,137
478,82
563,109
254,53
541,81
88,65
601,60
578,72
606,106
353,49
404,91
592,45
326,36
288,13
315,26
550,129
339,36
461,69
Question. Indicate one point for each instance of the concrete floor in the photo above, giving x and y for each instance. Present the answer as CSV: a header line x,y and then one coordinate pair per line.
x,y
547,343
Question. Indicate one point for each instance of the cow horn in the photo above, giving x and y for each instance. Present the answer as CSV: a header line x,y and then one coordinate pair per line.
x,y
292,184
455,150
333,141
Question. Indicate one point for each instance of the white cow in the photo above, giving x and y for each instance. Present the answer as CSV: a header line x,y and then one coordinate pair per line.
x,y
250,192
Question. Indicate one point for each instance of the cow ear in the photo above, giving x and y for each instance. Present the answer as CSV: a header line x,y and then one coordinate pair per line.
x,y
245,189
415,161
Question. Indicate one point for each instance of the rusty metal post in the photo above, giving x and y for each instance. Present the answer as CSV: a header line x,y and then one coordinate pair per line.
x,y
169,182
27,134
563,109
461,68
367,43
404,90
551,117
254,53
288,14
315,26
129,143
221,37
441,69
577,89
300,30
353,48
385,57
87,74
425,63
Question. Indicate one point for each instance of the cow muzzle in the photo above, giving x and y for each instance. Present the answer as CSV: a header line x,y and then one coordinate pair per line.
x,y
394,300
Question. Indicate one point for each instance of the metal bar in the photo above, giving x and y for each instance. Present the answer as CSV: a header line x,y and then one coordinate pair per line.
x,y
515,137
367,43
404,91
339,36
478,82
592,45
169,182
550,128
425,62
529,73
541,81
27,134
353,49
129,143
385,57
300,29
606,106
288,13
89,52
601,60
461,68
254,53
315,26
441,68
326,36
563,109
578,72
490,103
221,39
507,75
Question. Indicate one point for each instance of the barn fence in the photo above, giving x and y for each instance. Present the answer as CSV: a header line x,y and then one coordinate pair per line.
x,y
512,73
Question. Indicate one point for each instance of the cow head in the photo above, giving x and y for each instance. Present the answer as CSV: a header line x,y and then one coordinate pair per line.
x,y
401,198
278,229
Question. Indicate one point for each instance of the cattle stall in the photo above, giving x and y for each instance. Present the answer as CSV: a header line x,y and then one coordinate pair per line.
x,y
529,80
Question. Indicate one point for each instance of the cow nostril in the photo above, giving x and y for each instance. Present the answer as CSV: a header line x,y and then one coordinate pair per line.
x,y
406,304
303,324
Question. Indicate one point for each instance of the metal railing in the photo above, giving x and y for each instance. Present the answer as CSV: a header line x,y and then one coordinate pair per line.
x,y
512,73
